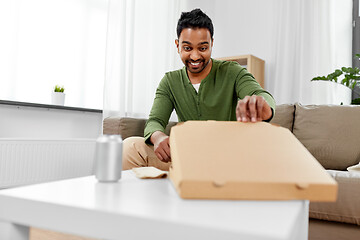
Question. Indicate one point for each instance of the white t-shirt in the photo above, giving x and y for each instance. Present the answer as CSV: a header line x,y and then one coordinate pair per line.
x,y
196,86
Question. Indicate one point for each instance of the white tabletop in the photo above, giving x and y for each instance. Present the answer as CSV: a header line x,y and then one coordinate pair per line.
x,y
136,209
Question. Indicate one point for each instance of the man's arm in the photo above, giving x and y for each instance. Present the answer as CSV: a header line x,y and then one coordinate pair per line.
x,y
255,103
158,119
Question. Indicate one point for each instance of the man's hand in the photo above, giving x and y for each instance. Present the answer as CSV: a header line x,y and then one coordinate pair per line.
x,y
253,108
161,146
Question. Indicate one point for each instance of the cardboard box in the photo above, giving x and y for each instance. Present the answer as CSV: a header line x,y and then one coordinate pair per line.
x,y
250,161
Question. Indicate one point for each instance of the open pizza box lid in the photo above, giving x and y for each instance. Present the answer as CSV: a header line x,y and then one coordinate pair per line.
x,y
250,161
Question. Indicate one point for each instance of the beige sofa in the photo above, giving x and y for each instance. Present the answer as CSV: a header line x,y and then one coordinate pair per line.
x,y
332,134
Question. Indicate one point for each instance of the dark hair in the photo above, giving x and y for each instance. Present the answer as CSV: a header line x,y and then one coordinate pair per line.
x,y
194,19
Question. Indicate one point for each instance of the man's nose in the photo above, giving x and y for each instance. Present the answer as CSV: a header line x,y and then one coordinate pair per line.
x,y
195,55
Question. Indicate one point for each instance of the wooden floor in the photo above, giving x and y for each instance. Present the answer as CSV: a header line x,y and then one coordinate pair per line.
x,y
39,234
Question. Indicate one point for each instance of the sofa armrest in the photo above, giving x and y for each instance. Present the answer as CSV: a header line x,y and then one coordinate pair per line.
x,y
126,127
347,207
111,126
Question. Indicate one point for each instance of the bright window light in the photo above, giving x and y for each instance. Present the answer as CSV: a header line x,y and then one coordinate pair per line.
x,y
48,42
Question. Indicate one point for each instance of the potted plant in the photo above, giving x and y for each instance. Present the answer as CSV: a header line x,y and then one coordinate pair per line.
x,y
346,76
58,96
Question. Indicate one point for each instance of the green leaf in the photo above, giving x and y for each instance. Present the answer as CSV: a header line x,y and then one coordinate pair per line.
x,y
353,85
350,70
338,72
356,101
344,81
319,78
351,76
347,83
58,89
334,75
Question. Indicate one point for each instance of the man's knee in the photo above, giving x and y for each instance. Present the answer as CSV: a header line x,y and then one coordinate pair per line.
x,y
131,143
133,151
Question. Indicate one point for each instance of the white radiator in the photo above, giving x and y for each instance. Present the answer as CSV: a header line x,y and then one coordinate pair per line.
x,y
28,161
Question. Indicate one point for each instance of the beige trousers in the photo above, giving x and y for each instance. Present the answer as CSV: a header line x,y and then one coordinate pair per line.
x,y
136,153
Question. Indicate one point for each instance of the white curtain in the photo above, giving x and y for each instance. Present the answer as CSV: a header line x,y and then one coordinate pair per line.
x,y
49,42
308,38
312,38
140,49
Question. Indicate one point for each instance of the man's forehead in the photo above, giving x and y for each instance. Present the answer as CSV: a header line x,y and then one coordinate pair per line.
x,y
195,36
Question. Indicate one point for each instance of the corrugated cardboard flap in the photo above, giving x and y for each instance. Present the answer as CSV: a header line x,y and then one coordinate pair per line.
x,y
252,161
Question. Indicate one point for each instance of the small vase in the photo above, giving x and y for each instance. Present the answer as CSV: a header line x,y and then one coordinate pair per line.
x,y
58,98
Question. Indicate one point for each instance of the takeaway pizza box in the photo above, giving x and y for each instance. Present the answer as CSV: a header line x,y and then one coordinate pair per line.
x,y
249,161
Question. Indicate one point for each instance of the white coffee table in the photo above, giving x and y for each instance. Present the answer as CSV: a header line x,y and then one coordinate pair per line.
x,y
143,209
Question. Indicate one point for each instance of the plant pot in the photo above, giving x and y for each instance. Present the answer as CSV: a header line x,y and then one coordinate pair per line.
x,y
327,92
58,98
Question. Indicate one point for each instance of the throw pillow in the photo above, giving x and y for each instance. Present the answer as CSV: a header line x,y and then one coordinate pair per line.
x,y
284,116
330,132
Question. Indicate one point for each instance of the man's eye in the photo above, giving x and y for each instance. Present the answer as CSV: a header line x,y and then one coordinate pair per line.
x,y
187,48
203,49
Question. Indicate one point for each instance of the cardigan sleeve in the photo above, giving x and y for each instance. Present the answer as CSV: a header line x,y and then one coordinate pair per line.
x,y
160,112
246,85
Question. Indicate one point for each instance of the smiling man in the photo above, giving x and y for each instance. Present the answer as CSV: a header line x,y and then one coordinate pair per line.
x,y
205,89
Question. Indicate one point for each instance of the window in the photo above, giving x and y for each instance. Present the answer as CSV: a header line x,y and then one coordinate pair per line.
x,y
49,42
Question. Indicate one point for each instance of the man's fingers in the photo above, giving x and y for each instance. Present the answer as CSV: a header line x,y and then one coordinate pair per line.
x,y
252,108
159,156
242,109
260,106
162,149
164,156
167,149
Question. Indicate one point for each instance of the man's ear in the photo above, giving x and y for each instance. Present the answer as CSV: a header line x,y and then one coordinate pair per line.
x,y
212,42
177,45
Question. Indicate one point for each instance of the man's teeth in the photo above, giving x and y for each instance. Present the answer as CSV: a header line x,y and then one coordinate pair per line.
x,y
194,64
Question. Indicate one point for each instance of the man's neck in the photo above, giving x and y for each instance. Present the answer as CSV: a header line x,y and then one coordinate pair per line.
x,y
198,77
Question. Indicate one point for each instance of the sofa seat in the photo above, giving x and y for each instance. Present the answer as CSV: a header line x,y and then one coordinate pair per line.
x,y
329,230
347,207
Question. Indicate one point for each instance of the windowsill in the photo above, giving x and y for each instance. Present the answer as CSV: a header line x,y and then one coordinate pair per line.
x,y
48,106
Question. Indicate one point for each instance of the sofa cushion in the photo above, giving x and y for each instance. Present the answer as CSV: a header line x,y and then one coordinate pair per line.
x,y
284,116
329,230
128,127
346,208
330,132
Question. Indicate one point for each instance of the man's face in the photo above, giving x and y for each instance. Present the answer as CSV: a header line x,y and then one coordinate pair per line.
x,y
194,47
